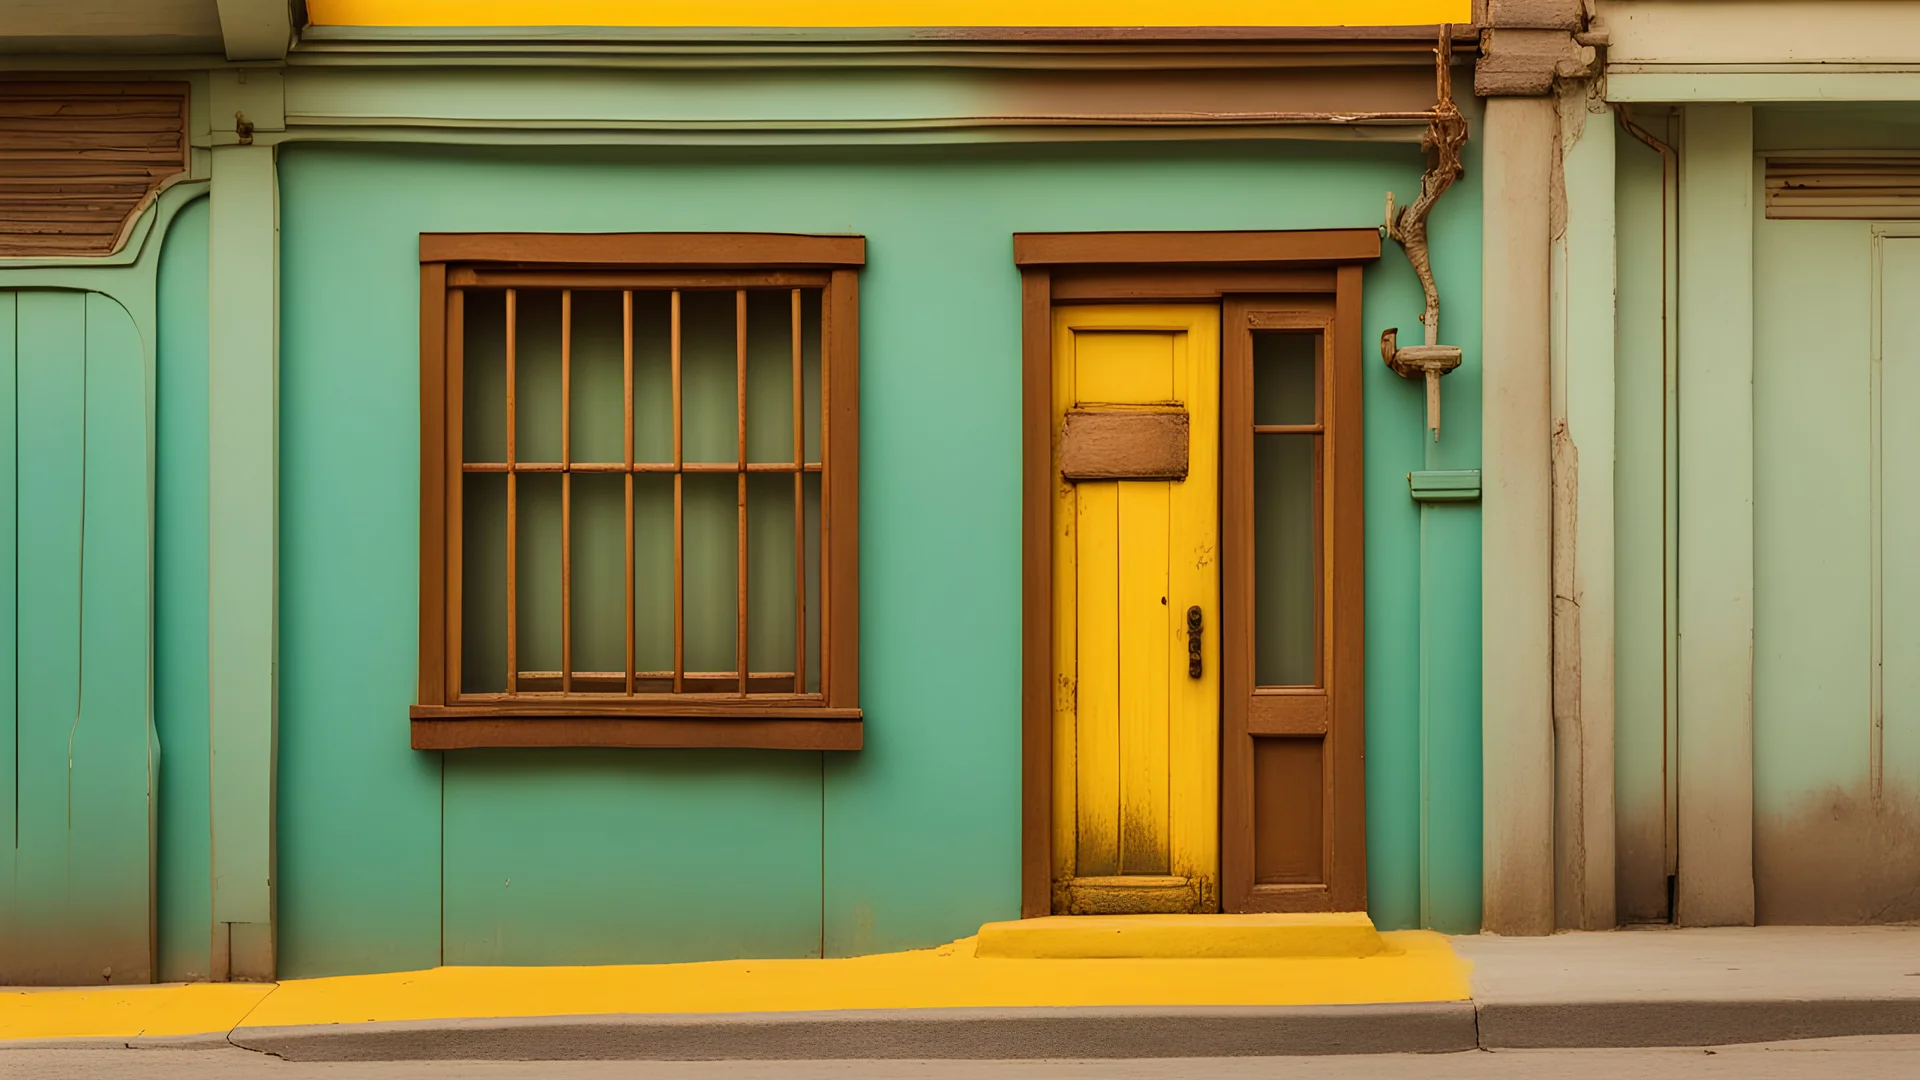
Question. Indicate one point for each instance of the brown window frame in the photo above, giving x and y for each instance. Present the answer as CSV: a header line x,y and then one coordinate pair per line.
x,y
443,717
1291,280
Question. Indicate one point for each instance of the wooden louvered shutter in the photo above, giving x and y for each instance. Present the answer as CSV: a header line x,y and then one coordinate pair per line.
x,y
80,160
1844,188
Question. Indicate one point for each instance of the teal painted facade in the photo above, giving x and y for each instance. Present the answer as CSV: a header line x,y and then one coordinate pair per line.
x,y
555,857
385,858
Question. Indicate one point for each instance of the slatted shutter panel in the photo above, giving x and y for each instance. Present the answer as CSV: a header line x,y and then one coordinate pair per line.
x,y
1844,188
80,160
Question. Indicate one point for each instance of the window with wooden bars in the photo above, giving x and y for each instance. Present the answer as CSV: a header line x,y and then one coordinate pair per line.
x,y
639,491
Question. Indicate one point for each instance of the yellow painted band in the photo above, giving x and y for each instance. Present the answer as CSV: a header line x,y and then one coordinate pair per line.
x,y
1413,966
874,13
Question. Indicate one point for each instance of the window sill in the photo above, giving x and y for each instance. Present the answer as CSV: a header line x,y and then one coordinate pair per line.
x,y
675,724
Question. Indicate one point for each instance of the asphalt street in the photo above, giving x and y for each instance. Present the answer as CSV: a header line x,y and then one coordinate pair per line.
x,y
1870,1058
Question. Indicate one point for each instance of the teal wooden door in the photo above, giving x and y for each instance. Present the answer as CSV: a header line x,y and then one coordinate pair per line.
x,y
78,755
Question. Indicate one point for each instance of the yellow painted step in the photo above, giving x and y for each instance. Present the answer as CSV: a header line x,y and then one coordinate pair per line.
x,y
1182,937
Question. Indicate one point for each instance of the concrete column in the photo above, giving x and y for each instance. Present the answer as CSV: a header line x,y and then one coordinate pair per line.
x,y
243,587
1715,886
1516,518
1583,439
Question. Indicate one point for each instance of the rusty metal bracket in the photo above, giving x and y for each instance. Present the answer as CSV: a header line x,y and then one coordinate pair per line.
x,y
1446,134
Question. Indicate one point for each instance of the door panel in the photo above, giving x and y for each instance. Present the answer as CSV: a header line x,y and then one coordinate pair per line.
x,y
1293,808
1135,727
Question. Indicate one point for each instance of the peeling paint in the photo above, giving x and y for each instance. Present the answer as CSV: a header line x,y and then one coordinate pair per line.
x,y
1570,857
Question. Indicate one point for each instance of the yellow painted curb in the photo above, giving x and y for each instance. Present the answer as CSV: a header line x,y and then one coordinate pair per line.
x,y
1413,966
130,1012
1182,937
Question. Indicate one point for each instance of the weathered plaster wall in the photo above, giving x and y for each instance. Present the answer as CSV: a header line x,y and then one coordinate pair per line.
x,y
1836,383
555,856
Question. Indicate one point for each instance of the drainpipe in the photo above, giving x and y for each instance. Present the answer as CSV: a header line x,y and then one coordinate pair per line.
x,y
1525,47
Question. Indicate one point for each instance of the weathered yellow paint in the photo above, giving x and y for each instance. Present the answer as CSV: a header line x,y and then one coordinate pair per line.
x,y
874,13
1136,738
1191,937
1412,966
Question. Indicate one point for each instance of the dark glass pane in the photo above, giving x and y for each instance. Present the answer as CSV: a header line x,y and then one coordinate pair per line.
x,y
1286,565
770,376
537,580
598,379
711,507
815,596
770,565
653,577
600,576
483,584
536,370
1286,377
484,382
653,377
709,375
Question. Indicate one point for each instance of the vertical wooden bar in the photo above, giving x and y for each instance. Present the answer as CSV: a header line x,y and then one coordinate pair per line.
x,y
840,492
679,519
799,507
433,480
1237,644
1346,601
626,353
566,491
454,452
740,535
513,509
1036,588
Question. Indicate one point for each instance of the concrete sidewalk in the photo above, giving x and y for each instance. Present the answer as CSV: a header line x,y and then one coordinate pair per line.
x,y
1696,987
1619,989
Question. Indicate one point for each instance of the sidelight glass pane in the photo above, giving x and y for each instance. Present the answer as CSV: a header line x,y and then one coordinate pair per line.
x,y
483,584
599,378
709,369
484,380
537,581
1286,560
599,579
712,508
1286,377
653,580
536,366
653,378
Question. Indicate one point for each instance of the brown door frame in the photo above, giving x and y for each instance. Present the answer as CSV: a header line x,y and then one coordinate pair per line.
x,y
1134,267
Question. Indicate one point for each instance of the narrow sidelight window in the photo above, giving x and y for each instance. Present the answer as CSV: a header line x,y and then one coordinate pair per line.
x,y
1293,815
646,520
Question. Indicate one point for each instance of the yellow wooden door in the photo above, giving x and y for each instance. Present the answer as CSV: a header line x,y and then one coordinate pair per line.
x,y
1136,718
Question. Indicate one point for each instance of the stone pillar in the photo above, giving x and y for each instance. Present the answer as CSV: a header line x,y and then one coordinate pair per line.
x,y
1715,879
242,578
1583,459
1526,46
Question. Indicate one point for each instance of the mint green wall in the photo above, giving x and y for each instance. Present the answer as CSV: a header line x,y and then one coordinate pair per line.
x,y
77,753
568,856
184,900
